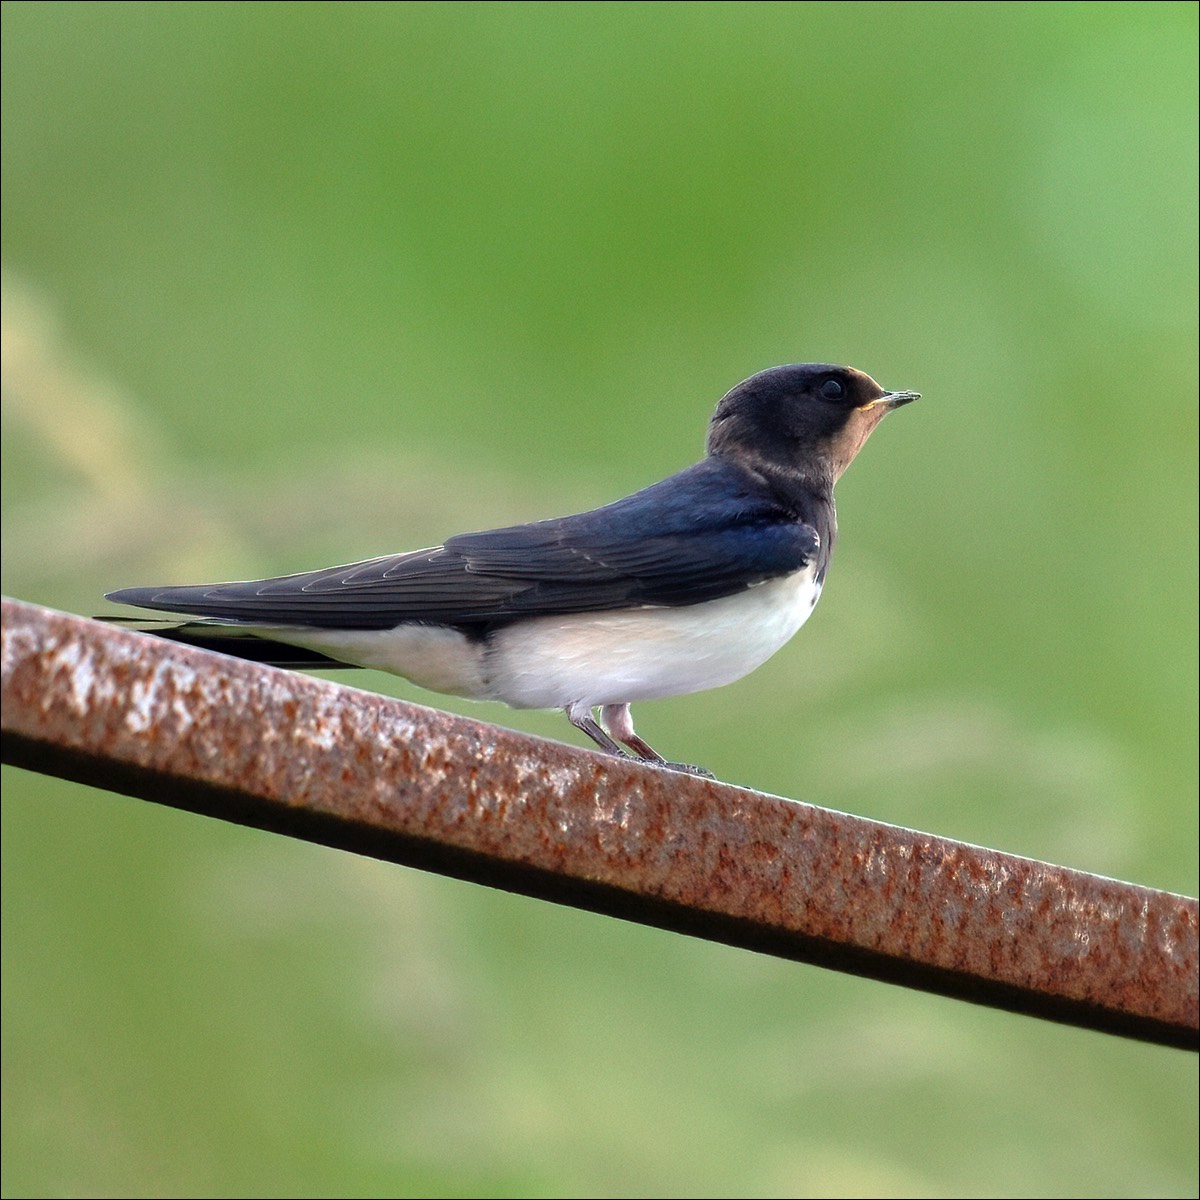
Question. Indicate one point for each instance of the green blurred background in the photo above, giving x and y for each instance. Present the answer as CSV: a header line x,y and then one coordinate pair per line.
x,y
292,284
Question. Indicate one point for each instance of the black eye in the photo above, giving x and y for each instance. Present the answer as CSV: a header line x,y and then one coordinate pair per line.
x,y
832,390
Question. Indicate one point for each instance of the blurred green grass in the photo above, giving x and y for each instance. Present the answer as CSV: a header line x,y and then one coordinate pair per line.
x,y
293,284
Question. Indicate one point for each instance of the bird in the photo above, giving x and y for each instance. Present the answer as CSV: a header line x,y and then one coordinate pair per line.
x,y
686,585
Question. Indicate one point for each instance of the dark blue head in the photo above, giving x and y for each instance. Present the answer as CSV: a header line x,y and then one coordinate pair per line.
x,y
808,419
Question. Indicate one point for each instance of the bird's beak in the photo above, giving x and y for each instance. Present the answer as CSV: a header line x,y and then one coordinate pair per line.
x,y
892,400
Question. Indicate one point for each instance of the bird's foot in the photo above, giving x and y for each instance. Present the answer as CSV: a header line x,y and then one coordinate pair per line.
x,y
663,765
616,717
681,768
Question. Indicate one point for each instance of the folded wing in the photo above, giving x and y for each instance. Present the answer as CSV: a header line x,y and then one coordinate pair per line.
x,y
707,532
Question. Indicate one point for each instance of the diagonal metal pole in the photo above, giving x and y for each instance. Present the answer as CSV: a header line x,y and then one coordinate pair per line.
x,y
315,760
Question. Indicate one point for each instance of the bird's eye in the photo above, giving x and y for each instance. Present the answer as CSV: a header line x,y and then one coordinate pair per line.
x,y
832,390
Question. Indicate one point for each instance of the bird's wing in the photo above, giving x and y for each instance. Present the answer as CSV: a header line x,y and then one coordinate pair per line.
x,y
707,532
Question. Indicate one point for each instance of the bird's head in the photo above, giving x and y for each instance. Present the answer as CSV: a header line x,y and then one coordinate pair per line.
x,y
807,419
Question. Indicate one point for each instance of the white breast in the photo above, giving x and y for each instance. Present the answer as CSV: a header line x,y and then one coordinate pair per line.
x,y
641,654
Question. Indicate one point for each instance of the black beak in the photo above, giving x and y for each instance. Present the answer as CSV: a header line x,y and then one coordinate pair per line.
x,y
892,400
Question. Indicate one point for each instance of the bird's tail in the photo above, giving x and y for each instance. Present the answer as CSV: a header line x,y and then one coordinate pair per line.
x,y
226,639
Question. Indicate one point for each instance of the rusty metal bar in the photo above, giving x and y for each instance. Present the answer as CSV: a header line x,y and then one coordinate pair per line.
x,y
312,759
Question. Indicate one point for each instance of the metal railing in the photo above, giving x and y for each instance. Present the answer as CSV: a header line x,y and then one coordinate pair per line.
x,y
312,759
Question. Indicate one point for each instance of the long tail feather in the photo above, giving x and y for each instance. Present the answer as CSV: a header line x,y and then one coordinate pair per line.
x,y
224,640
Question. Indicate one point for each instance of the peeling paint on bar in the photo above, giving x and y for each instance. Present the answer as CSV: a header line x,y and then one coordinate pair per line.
x,y
313,759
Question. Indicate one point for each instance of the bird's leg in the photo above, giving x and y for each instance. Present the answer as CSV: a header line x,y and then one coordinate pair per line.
x,y
618,720
580,715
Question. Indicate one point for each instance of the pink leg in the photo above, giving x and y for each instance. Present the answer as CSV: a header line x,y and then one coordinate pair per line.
x,y
618,720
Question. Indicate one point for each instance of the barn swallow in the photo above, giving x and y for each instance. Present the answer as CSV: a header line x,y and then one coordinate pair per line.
x,y
689,584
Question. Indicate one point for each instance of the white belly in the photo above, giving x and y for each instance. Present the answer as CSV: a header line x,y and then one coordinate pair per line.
x,y
641,654
594,658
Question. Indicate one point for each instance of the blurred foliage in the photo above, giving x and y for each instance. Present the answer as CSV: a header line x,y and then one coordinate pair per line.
x,y
289,284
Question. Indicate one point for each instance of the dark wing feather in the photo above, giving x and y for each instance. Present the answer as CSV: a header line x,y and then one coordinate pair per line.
x,y
707,532
229,639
